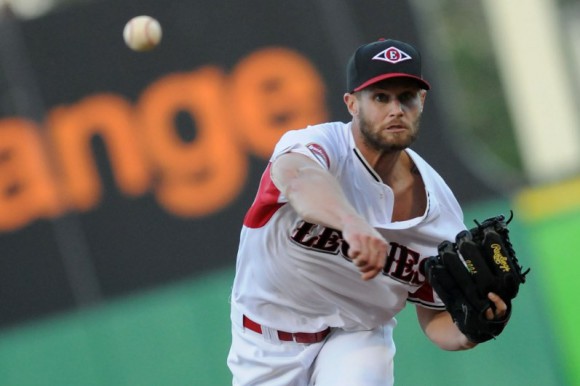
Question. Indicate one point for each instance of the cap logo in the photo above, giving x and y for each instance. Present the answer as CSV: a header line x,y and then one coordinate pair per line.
x,y
392,55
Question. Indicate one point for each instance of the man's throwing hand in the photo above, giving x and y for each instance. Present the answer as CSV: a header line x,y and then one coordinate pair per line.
x,y
367,248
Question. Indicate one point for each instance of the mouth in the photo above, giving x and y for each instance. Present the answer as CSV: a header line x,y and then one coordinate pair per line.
x,y
396,128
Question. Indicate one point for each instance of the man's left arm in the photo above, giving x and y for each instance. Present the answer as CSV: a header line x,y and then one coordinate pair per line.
x,y
439,327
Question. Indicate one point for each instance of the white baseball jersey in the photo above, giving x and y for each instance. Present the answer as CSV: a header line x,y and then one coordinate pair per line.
x,y
297,277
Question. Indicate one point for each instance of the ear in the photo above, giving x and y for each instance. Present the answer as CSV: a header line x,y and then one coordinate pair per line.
x,y
351,103
423,96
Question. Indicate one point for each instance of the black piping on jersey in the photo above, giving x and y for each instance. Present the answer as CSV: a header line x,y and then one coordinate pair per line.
x,y
427,304
378,179
428,202
366,165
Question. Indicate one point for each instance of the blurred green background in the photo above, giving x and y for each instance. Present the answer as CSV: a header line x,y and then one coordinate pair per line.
x,y
179,335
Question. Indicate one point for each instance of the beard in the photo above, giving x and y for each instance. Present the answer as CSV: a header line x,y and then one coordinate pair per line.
x,y
389,144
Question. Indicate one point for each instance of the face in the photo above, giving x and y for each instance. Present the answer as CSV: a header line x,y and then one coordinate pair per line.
x,y
387,114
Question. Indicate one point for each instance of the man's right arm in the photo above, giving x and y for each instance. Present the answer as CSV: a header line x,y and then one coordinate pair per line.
x,y
317,197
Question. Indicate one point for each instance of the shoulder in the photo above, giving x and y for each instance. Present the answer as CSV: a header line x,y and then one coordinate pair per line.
x,y
430,176
434,183
325,140
327,129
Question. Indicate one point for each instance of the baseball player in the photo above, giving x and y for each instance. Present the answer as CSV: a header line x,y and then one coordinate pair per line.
x,y
331,248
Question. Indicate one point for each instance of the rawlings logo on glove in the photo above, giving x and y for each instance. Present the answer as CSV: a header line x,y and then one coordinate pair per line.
x,y
499,259
482,260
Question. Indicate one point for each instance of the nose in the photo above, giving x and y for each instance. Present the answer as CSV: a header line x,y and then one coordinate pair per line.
x,y
396,107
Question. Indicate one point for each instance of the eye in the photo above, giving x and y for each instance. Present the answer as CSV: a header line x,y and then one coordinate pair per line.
x,y
407,97
382,97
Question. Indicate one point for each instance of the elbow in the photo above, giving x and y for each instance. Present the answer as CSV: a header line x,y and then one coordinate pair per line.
x,y
455,342
439,327
460,347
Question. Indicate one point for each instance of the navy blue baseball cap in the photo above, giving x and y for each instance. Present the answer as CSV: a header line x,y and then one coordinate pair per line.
x,y
383,59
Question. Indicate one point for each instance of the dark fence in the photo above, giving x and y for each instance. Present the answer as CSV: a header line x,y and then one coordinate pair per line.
x,y
121,171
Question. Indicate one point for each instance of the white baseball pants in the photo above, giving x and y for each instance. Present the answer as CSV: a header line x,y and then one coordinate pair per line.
x,y
344,358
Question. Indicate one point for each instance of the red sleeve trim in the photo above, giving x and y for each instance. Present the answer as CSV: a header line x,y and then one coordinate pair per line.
x,y
265,204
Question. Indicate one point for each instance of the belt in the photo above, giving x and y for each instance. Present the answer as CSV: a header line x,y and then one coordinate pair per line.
x,y
298,337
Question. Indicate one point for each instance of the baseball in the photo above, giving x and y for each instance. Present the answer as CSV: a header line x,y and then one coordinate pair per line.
x,y
142,33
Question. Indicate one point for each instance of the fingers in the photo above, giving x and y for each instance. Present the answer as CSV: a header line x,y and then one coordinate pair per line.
x,y
499,305
369,255
367,248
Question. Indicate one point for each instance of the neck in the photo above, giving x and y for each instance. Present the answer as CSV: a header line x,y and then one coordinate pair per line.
x,y
397,170
389,164
386,164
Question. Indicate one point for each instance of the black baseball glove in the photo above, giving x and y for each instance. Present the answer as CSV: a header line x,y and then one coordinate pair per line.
x,y
481,260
